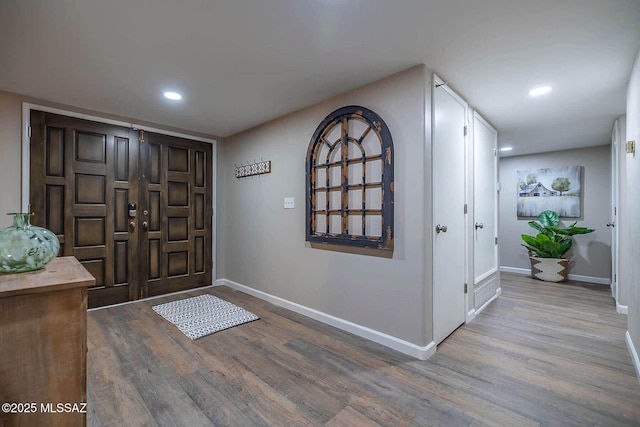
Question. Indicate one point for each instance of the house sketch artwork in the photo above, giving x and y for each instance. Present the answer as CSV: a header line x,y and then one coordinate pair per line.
x,y
557,189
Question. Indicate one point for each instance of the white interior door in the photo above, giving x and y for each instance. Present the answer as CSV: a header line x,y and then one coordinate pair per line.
x,y
614,211
449,258
485,199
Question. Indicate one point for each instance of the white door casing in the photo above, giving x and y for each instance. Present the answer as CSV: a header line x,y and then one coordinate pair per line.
x,y
449,256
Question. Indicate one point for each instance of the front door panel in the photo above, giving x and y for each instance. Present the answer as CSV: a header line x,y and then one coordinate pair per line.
x,y
83,176
176,243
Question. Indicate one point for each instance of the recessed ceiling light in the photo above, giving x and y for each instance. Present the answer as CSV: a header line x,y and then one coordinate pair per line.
x,y
506,148
540,90
174,96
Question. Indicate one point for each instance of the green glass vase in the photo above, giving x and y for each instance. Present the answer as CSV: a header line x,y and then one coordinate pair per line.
x,y
26,247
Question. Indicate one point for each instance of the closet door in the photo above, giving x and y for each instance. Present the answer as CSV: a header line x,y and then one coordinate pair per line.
x,y
485,211
176,207
84,174
449,257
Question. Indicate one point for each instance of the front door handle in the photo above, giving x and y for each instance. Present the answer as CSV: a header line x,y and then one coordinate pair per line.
x,y
145,225
441,228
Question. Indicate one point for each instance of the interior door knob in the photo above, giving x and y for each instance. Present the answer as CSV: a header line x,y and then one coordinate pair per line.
x,y
611,224
145,225
479,225
441,228
132,224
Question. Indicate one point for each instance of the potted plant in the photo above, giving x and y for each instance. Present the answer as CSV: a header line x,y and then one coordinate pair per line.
x,y
548,248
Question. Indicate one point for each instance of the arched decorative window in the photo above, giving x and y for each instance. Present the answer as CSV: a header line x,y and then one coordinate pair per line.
x,y
350,180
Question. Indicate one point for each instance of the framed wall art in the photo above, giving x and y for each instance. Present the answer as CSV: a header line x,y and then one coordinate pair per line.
x,y
557,189
349,181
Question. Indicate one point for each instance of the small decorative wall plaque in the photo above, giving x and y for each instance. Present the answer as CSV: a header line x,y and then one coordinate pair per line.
x,y
258,168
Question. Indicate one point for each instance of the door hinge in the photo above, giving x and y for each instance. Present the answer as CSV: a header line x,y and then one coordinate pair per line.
x,y
141,135
615,210
466,288
29,131
496,240
465,208
495,152
465,130
615,278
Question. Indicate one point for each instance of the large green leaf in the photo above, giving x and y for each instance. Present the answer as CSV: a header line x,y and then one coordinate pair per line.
x,y
541,229
564,247
572,231
530,240
542,239
549,218
541,245
537,226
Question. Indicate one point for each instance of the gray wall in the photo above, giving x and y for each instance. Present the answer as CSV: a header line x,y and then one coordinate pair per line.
x,y
591,252
263,246
10,155
630,193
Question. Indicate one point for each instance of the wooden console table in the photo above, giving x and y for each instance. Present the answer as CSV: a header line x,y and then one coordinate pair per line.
x,y
43,345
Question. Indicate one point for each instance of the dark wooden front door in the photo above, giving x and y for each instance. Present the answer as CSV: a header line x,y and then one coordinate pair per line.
x,y
84,176
177,210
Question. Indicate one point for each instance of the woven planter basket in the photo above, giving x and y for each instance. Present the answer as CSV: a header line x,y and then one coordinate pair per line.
x,y
549,269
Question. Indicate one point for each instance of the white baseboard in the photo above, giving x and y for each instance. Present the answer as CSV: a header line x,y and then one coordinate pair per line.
x,y
575,277
590,279
413,350
493,298
622,309
471,315
634,354
514,270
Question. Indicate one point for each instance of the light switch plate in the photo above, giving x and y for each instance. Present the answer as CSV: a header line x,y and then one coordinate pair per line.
x,y
289,203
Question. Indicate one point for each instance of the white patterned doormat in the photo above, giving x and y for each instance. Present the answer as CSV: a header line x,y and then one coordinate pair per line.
x,y
203,315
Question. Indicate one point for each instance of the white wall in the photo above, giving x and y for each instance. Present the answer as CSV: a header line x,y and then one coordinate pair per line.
x,y
591,252
630,193
263,246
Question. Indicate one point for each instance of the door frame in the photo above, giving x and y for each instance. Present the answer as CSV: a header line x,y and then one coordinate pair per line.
x,y
615,194
26,157
437,81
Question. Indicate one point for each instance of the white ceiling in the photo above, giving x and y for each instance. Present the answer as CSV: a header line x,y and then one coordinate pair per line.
x,y
240,63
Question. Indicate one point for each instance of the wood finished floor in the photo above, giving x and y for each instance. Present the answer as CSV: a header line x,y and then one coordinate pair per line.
x,y
541,354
